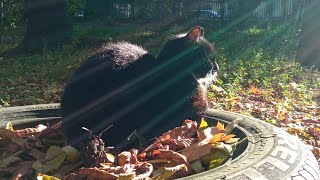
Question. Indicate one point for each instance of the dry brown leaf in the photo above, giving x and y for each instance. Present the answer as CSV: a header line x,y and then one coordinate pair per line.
x,y
30,131
22,170
197,150
8,149
145,169
10,136
171,155
10,161
124,157
50,131
97,174
177,138
187,130
207,133
36,154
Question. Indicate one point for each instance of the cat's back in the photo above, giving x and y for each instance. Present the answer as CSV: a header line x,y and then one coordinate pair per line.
x,y
116,56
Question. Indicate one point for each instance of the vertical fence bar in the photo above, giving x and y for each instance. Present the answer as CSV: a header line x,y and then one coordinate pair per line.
x,y
222,10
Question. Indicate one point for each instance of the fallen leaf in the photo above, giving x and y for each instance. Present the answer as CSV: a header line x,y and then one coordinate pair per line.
x,y
232,140
254,89
126,176
145,169
203,124
72,154
7,135
220,137
36,154
97,174
171,155
53,160
166,172
9,161
46,177
30,131
9,126
22,170
216,158
220,126
216,138
197,150
197,166
207,133
177,138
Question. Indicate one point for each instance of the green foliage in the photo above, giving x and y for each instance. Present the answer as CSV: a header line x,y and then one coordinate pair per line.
x,y
75,7
260,56
10,13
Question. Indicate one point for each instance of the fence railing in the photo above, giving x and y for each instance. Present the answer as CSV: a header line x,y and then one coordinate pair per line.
x,y
271,10
276,10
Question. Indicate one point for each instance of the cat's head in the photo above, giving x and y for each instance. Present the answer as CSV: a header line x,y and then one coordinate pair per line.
x,y
190,52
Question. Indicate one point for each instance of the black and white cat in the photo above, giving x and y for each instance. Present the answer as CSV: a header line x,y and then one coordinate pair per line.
x,y
122,85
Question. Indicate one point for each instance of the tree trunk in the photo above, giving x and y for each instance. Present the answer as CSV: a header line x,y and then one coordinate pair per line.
x,y
47,24
309,47
99,9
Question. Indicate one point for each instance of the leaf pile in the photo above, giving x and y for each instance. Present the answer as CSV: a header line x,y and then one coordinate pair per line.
x,y
26,152
42,152
289,107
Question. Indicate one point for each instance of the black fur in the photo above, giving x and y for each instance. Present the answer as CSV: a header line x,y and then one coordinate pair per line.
x,y
122,85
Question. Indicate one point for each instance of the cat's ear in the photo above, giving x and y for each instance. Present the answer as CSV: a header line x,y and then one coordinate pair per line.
x,y
195,33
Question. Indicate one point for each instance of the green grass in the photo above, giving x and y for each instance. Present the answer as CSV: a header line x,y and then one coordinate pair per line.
x,y
40,78
260,56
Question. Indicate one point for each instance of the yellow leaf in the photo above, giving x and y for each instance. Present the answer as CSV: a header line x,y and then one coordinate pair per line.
x,y
227,137
220,126
219,137
55,157
9,126
46,177
50,165
110,157
53,152
215,159
72,154
216,138
203,124
166,172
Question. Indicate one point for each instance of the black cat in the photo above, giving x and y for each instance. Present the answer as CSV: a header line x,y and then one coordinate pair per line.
x,y
122,85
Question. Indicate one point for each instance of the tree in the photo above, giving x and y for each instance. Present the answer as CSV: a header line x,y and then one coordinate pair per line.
x,y
10,13
47,24
309,47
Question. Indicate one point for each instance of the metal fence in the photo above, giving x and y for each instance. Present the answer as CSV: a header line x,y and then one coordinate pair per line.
x,y
271,10
276,10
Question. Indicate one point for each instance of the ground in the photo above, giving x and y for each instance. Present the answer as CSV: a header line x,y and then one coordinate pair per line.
x,y
259,76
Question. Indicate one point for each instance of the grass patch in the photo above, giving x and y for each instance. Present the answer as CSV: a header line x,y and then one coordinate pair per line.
x,y
255,54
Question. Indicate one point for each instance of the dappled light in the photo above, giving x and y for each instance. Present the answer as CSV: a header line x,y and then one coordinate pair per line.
x,y
134,74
